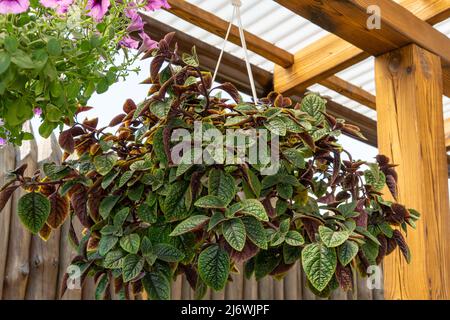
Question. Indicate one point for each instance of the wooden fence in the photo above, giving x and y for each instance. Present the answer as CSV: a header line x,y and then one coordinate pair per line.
x,y
33,269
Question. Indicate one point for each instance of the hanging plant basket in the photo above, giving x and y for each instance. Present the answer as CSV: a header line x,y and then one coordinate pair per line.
x,y
149,217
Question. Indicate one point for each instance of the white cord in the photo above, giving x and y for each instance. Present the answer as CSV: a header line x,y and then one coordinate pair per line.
x,y
237,12
224,44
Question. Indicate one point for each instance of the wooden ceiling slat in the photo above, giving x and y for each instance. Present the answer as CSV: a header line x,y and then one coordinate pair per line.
x,y
350,91
233,70
218,26
332,54
210,22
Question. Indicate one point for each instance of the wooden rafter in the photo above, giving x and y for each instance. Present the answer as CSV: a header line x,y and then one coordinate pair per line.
x,y
233,70
284,58
400,27
218,26
350,91
411,134
447,133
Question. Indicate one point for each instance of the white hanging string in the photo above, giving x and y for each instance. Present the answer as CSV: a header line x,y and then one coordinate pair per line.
x,y
237,12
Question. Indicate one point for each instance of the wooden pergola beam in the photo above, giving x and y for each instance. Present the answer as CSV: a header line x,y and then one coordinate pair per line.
x,y
447,133
350,91
401,24
411,133
212,23
218,26
233,70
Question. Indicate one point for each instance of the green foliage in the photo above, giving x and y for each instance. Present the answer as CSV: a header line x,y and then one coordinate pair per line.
x,y
33,210
149,219
319,263
55,62
214,266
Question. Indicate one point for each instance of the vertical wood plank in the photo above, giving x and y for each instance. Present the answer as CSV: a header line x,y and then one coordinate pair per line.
x,y
362,290
234,289
67,253
265,289
7,163
186,291
291,283
250,289
44,255
306,293
176,288
411,133
88,290
278,289
18,264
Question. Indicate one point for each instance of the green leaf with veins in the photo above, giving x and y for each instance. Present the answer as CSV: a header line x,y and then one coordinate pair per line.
x,y
33,210
332,238
347,251
319,263
234,233
214,266
132,267
190,224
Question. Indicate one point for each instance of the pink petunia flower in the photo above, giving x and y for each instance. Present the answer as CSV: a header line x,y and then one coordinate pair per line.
x,y
157,4
37,111
61,6
97,8
14,6
2,141
128,42
147,42
136,21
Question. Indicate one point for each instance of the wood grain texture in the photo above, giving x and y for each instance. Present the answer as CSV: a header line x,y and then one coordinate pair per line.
x,y
446,80
284,58
232,68
447,133
66,254
44,255
291,282
250,289
7,163
411,133
18,266
348,20
316,62
218,26
350,91
332,54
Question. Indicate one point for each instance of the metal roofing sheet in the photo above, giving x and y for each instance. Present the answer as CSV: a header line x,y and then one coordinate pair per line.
x,y
278,25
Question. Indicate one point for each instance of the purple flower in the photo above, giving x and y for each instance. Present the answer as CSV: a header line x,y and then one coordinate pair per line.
x,y
157,4
136,21
14,6
37,111
128,42
61,6
2,141
147,42
97,8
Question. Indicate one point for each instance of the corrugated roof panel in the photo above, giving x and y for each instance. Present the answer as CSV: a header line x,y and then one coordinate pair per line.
x,y
278,25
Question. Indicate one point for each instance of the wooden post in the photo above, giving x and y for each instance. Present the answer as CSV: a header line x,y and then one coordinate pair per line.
x,y
411,133
18,264
7,163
